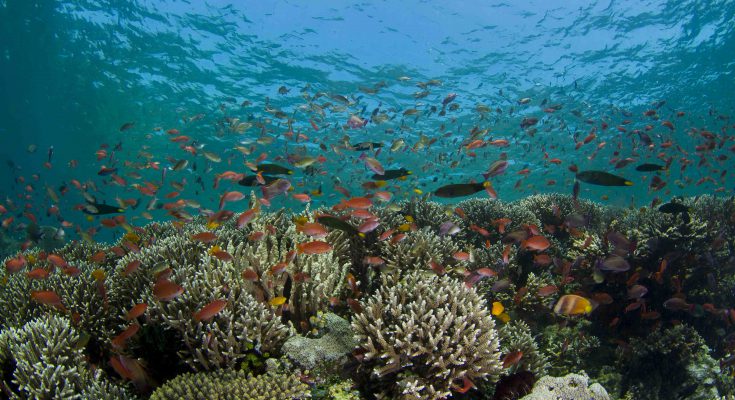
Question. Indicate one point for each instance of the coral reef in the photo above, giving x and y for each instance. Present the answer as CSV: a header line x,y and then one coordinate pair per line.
x,y
229,384
416,324
569,387
431,333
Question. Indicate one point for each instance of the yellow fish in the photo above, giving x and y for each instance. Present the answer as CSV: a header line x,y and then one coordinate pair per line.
x,y
497,308
277,301
571,304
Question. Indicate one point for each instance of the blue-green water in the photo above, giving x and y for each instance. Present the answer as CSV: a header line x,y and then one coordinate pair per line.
x,y
74,72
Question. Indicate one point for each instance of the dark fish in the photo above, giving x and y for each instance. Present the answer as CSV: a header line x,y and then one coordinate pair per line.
x,y
253,181
650,167
101,209
364,146
392,174
603,178
614,263
336,223
274,169
126,126
674,208
460,189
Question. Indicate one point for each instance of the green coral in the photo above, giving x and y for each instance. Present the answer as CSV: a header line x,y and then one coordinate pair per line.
x,y
672,363
569,347
232,385
516,336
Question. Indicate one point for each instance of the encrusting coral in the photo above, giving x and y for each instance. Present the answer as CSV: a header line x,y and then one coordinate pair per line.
x,y
569,387
326,352
432,334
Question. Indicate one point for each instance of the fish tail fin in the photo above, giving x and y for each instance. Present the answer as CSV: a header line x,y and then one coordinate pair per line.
x,y
300,248
628,183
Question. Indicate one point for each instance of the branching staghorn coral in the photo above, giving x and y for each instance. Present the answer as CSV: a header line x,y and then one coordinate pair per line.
x,y
308,282
429,334
230,384
82,296
556,208
46,358
416,251
243,325
516,336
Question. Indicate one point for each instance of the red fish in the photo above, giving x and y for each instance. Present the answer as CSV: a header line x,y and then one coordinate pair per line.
x,y
136,311
230,197
204,237
315,247
210,310
119,340
512,358
47,297
359,203
14,265
165,290
536,243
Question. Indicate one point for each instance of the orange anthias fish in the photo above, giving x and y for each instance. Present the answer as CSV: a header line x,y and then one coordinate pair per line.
x,y
166,290
312,229
512,358
359,203
536,243
47,297
136,311
204,237
315,247
230,197
210,310
119,340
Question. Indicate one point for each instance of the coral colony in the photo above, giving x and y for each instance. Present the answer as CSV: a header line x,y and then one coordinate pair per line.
x,y
545,297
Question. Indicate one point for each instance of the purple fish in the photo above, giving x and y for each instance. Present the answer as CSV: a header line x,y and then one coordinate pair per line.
x,y
637,291
368,226
448,228
450,97
279,186
618,240
613,263
496,168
